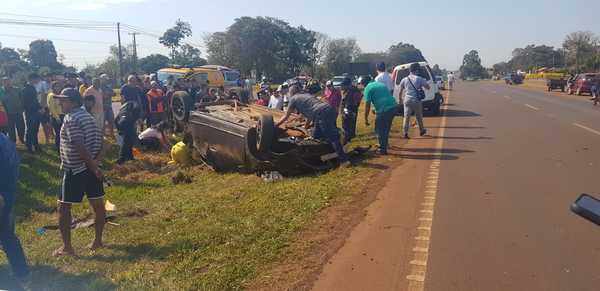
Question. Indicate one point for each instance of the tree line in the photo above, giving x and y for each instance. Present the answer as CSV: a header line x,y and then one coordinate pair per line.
x,y
580,52
257,46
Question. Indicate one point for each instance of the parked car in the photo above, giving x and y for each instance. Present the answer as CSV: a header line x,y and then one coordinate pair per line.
x,y
234,137
337,81
582,83
433,99
556,83
439,80
513,79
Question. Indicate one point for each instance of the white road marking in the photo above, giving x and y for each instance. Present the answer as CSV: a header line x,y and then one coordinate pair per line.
x,y
587,128
532,107
418,269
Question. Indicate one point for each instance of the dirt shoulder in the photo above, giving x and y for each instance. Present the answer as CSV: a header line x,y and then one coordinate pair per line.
x,y
304,259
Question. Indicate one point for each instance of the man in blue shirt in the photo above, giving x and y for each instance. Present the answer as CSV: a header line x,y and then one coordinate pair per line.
x,y
377,93
410,85
9,167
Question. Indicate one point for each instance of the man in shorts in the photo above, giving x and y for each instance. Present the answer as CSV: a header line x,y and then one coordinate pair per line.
x,y
80,153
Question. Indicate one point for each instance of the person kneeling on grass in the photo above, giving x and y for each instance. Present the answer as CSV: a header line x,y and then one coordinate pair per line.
x,y
154,138
80,153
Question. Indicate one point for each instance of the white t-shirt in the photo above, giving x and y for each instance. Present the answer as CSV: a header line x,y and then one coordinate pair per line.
x,y
386,79
150,133
276,102
450,77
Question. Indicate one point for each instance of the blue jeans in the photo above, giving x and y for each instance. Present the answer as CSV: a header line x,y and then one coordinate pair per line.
x,y
325,128
383,125
9,240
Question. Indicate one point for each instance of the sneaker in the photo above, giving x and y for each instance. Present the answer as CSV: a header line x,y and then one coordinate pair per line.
x,y
423,132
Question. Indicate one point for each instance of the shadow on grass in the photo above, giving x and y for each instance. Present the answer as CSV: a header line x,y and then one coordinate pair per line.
x,y
135,252
44,277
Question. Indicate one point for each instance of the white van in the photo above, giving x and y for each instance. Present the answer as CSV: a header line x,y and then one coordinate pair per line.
x,y
433,99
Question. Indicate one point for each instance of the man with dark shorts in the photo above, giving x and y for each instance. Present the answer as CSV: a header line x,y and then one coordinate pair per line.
x,y
80,153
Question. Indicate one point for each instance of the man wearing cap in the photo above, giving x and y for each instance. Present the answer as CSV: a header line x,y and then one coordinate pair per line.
x,y
320,114
98,109
14,109
384,77
385,104
351,97
80,153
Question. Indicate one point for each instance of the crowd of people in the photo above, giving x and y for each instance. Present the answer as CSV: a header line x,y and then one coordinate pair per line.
x,y
76,111
322,104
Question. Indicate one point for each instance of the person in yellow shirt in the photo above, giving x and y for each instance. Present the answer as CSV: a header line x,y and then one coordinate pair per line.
x,y
85,84
56,114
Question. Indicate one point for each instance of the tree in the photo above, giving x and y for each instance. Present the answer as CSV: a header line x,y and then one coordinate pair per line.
x,y
42,53
534,57
502,68
404,53
153,63
188,55
173,36
579,47
264,45
340,52
471,67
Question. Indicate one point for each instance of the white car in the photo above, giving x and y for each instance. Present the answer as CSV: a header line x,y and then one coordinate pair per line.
x,y
433,99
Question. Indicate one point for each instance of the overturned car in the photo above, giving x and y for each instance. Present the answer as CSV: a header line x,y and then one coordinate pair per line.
x,y
230,136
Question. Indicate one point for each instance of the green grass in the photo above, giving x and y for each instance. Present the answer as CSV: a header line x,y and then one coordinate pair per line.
x,y
217,233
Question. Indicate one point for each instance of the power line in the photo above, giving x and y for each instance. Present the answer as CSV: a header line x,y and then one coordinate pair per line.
x,y
56,18
54,39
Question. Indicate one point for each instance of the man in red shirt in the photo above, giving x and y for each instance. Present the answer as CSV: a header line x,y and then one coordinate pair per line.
x,y
156,103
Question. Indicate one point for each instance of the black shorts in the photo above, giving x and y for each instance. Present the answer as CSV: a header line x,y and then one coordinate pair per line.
x,y
74,187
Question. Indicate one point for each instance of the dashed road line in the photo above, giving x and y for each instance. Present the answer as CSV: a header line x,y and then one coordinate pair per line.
x,y
532,107
418,265
587,128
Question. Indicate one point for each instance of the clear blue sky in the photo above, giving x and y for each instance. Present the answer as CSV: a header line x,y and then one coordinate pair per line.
x,y
443,30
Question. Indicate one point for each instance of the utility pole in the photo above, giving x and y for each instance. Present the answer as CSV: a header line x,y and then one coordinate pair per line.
x,y
120,55
135,58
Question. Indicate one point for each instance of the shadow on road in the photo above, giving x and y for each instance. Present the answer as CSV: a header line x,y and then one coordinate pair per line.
x,y
460,113
434,150
460,137
458,127
431,157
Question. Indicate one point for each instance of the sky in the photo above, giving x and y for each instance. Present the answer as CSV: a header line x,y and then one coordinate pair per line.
x,y
443,30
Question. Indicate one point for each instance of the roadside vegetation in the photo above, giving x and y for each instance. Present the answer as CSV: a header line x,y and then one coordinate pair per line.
x,y
216,233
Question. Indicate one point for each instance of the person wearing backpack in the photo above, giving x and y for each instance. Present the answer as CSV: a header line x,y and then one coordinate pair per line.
x,y
125,122
413,85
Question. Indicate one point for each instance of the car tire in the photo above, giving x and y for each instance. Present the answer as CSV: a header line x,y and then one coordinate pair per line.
x,y
181,105
265,132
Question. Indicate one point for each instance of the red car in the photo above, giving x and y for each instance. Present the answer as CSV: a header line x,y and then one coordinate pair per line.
x,y
583,84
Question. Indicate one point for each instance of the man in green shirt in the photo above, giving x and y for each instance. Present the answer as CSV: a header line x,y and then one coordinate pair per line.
x,y
386,107
10,98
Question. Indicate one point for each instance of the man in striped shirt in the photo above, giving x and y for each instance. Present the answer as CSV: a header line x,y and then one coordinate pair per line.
x,y
80,153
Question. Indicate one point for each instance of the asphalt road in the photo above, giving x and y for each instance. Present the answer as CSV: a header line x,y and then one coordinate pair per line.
x,y
483,204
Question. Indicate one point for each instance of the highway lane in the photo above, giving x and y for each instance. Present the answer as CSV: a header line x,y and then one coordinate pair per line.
x,y
502,218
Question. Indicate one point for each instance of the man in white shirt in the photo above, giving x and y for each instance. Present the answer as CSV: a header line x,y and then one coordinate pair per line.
x,y
450,80
384,77
276,101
